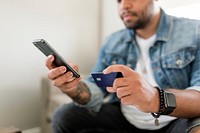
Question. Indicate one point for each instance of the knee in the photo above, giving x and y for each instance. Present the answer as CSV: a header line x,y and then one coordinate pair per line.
x,y
194,125
57,117
60,120
195,129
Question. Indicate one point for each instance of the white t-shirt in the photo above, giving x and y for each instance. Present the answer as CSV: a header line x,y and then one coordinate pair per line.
x,y
140,119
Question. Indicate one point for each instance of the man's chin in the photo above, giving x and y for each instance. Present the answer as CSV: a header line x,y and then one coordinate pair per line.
x,y
128,26
134,26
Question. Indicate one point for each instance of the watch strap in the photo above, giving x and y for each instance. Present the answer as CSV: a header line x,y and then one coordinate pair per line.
x,y
167,111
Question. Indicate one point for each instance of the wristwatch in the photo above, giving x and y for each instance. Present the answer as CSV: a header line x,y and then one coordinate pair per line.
x,y
169,102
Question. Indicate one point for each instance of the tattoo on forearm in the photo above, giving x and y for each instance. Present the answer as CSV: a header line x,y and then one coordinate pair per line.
x,y
82,94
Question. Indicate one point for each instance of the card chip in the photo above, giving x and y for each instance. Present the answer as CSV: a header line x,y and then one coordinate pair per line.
x,y
98,79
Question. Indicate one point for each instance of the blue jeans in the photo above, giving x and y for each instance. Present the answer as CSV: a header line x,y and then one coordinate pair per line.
x,y
73,119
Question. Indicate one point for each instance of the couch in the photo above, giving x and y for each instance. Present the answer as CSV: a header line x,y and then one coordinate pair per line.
x,y
51,98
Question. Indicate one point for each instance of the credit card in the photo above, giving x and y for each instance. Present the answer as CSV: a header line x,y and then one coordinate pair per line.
x,y
105,80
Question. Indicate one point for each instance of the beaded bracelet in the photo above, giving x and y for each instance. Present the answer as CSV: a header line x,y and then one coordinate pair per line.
x,y
161,97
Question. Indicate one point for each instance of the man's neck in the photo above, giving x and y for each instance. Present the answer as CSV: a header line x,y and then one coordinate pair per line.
x,y
152,26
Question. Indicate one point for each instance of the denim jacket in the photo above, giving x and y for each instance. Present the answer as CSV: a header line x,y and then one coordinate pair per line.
x,y
175,56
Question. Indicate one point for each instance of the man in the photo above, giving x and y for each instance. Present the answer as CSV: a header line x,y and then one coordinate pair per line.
x,y
159,58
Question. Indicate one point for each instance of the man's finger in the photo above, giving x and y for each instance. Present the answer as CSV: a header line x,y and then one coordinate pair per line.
x,y
125,70
65,78
53,73
49,62
111,89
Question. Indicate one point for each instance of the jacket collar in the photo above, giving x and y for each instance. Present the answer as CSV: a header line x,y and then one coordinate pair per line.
x,y
129,36
164,27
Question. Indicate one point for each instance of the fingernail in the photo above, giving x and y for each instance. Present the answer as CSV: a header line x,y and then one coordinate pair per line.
x,y
104,71
50,57
62,69
70,74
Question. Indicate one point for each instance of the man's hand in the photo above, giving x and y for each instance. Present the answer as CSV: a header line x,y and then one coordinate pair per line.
x,y
59,77
132,89
195,130
65,81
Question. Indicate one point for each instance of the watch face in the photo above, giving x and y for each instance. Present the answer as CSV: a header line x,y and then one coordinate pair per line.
x,y
170,100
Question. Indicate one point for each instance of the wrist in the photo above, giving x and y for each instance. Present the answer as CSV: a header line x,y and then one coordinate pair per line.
x,y
79,93
155,102
70,91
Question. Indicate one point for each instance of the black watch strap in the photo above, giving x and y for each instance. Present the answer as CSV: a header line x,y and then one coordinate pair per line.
x,y
167,111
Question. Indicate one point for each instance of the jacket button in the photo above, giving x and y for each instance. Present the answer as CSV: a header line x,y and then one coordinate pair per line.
x,y
179,62
129,65
114,62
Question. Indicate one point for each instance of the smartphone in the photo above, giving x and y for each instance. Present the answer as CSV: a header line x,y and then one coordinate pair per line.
x,y
47,49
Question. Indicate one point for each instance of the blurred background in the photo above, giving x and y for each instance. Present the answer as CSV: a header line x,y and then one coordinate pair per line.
x,y
75,28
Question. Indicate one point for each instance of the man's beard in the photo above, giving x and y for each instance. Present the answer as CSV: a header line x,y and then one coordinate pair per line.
x,y
137,25
140,23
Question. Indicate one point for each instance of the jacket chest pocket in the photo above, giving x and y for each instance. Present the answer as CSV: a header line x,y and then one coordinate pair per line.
x,y
177,65
112,58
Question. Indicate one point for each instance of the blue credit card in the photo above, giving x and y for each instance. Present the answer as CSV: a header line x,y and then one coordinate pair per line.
x,y
105,80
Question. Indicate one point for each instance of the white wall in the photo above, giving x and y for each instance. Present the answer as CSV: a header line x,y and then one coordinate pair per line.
x,y
71,26
111,21
188,11
166,4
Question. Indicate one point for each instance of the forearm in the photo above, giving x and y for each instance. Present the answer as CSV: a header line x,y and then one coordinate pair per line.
x,y
188,103
80,94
